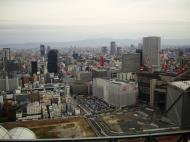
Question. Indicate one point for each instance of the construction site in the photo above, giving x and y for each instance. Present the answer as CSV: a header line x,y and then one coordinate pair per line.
x,y
135,121
61,128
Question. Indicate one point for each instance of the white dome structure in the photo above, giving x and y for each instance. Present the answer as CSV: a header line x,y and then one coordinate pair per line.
x,y
21,133
4,134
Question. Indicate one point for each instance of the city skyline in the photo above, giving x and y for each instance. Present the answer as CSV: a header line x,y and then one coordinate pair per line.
x,y
95,70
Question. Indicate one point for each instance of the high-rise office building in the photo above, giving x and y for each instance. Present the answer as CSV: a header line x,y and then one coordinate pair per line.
x,y
119,51
53,61
1,60
5,56
9,84
141,55
48,49
12,65
151,50
113,48
34,67
75,55
130,62
140,46
42,50
104,50
7,53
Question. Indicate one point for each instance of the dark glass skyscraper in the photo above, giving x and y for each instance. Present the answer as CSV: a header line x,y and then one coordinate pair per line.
x,y
52,61
42,50
113,48
141,55
34,67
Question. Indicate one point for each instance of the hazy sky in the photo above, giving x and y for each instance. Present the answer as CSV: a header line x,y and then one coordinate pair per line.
x,y
64,20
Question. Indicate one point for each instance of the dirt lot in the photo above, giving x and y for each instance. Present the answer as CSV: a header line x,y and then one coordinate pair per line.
x,y
66,128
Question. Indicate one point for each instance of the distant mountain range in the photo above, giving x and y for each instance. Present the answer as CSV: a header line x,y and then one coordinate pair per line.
x,y
96,43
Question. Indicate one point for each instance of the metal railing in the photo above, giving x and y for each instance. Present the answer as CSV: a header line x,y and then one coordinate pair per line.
x,y
181,136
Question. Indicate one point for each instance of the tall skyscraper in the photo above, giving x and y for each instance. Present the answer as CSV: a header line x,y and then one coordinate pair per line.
x,y
113,48
119,51
1,60
53,61
151,50
75,55
48,49
7,54
104,50
130,62
140,46
34,67
42,50
141,55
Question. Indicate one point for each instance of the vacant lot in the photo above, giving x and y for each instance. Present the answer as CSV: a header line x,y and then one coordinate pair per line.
x,y
65,128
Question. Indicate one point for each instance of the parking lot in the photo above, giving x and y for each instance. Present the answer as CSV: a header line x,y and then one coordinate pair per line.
x,y
94,105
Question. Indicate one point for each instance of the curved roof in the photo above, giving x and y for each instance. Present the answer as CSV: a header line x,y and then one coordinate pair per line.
x,y
4,134
21,133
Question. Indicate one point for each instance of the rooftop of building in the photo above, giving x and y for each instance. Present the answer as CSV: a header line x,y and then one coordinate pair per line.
x,y
116,81
86,72
100,69
131,53
183,85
